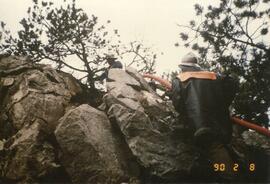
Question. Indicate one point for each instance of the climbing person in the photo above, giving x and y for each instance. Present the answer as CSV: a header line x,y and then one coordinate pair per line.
x,y
202,99
113,63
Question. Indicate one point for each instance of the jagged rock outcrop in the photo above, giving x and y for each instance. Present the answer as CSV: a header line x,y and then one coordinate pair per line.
x,y
30,92
149,126
30,156
49,134
32,99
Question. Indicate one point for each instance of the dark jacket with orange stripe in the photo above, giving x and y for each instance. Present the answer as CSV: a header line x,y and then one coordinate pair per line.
x,y
203,99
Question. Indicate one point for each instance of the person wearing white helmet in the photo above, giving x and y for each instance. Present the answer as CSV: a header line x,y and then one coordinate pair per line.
x,y
190,62
202,99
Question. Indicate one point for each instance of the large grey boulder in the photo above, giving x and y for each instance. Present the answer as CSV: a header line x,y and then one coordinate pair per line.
x,y
91,152
149,126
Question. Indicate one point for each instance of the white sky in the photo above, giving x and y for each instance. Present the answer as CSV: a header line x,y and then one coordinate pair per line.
x,y
152,21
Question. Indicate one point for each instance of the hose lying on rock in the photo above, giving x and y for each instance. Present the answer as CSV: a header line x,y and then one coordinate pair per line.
x,y
236,120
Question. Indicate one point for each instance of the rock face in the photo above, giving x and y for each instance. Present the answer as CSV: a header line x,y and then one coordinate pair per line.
x,y
29,155
91,152
33,98
49,135
149,126
32,92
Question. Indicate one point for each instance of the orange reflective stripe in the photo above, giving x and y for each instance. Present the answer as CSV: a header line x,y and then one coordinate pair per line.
x,y
198,75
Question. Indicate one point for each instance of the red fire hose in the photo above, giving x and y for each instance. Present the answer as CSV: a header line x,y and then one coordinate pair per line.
x,y
163,82
252,126
236,120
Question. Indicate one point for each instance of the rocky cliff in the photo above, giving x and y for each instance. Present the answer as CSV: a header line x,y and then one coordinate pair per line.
x,y
50,133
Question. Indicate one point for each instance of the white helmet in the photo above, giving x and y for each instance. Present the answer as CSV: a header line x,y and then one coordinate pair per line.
x,y
189,59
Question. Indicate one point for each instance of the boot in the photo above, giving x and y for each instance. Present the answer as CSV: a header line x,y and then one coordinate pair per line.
x,y
203,136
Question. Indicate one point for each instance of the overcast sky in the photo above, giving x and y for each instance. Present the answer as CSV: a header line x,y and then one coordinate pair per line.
x,y
152,21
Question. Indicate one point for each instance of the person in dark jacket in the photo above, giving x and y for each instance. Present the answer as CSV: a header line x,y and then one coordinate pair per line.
x,y
202,99
113,63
